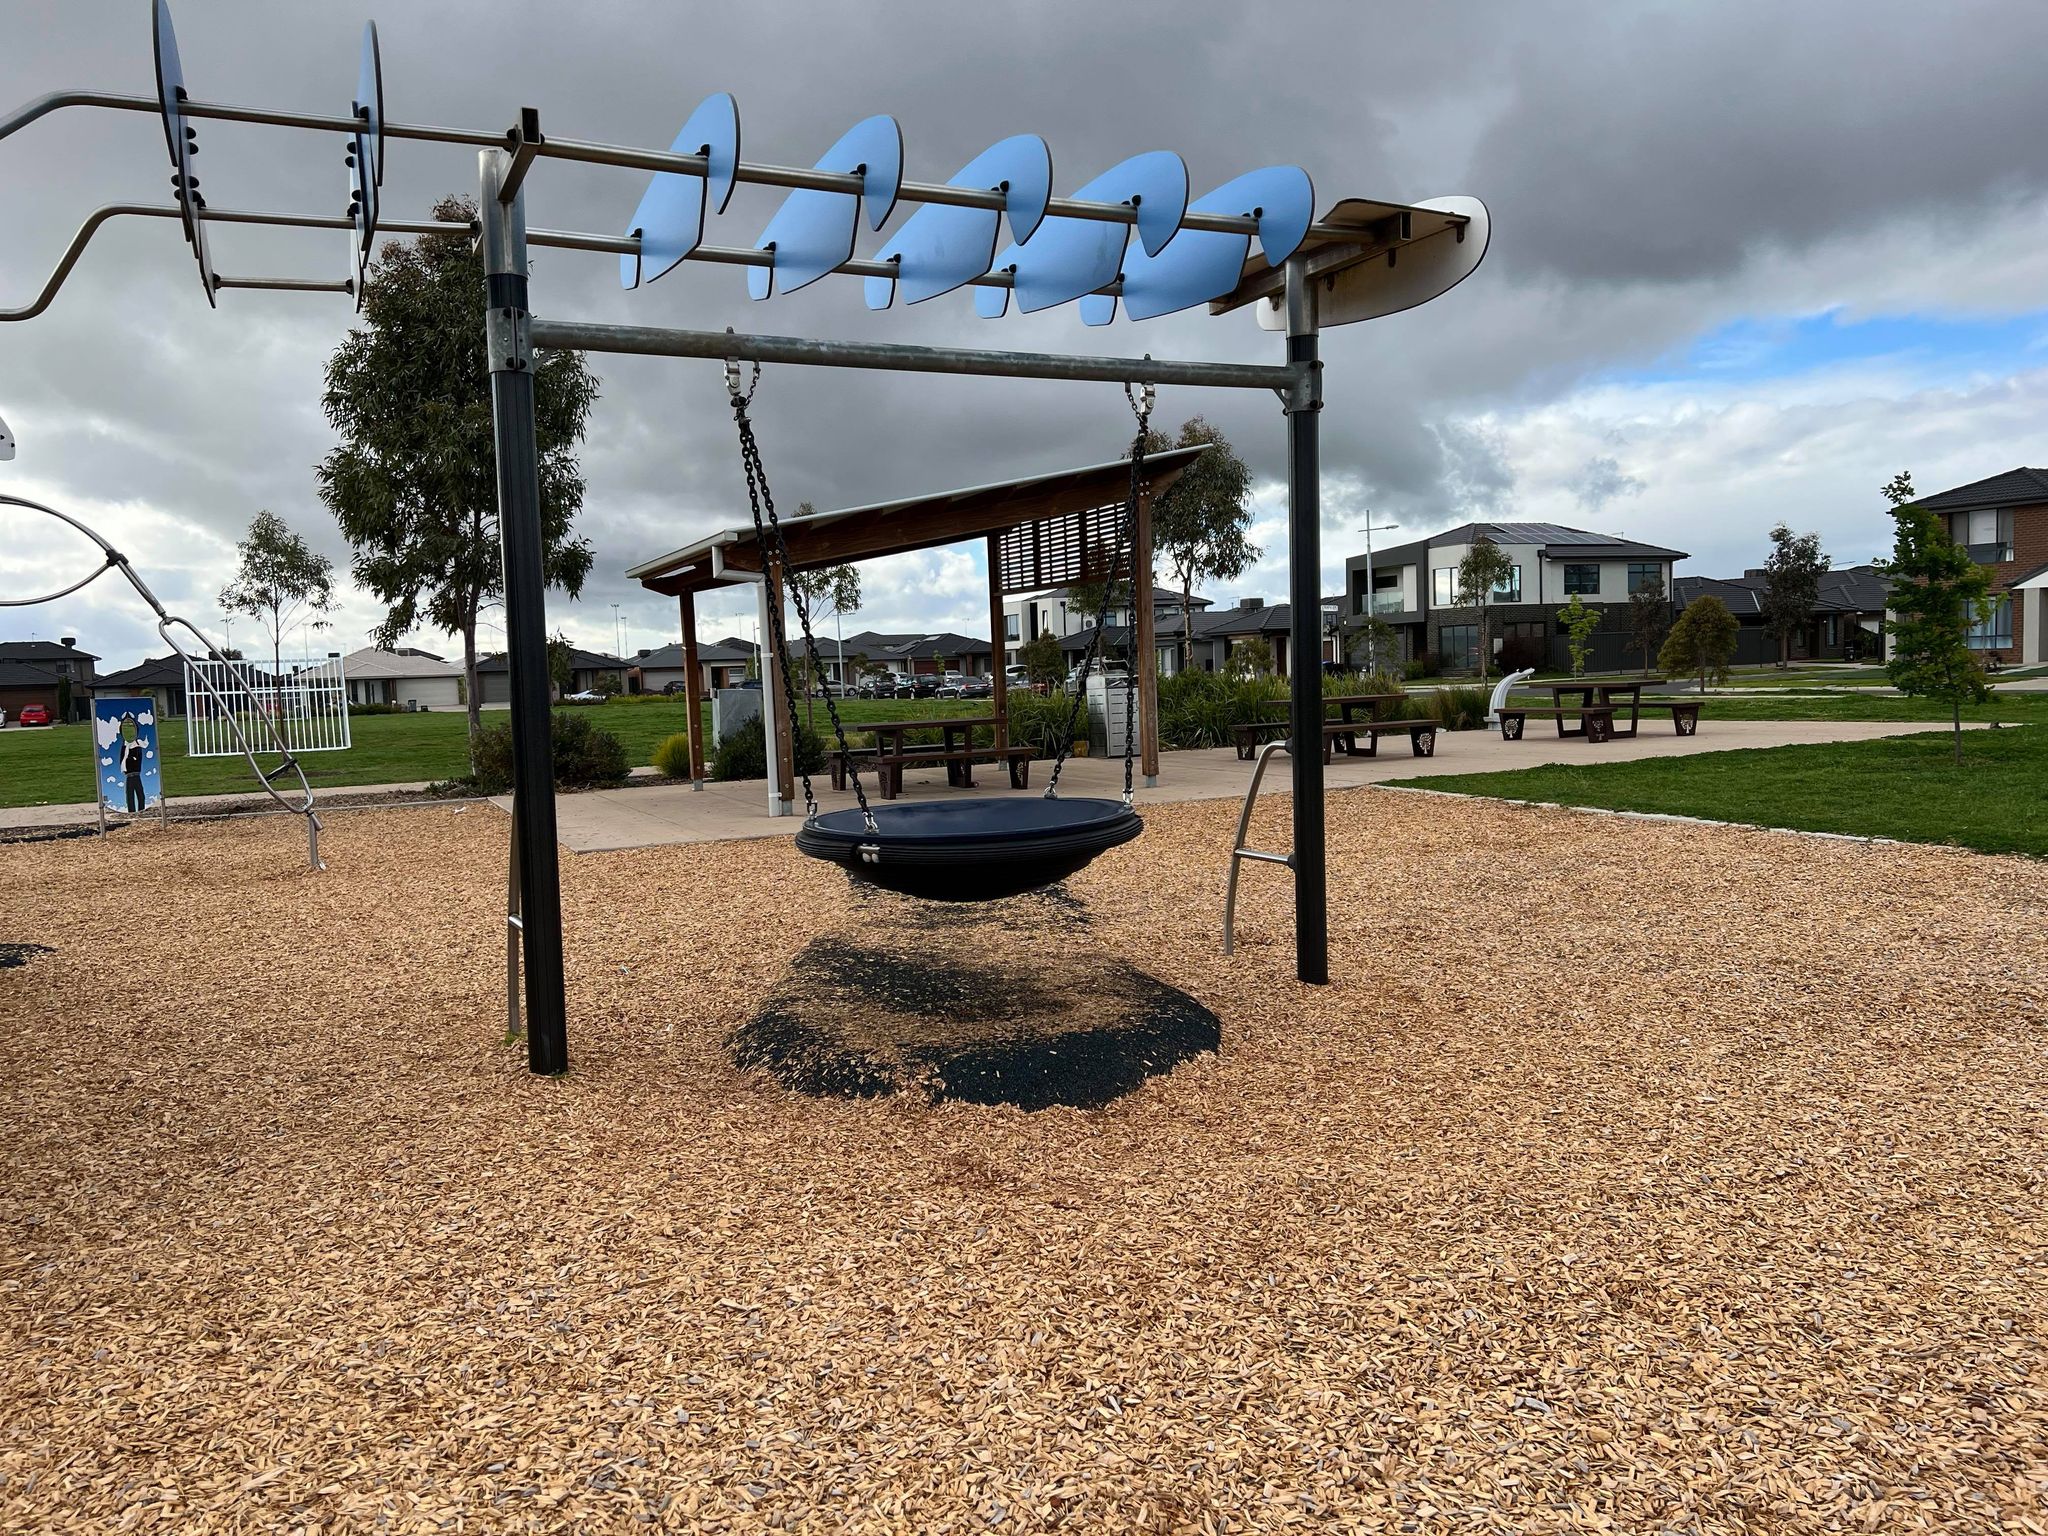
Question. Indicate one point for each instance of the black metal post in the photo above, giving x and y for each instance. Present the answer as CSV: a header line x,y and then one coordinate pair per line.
x,y
507,338
1305,639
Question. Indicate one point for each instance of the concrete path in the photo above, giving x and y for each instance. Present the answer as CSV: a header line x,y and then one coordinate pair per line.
x,y
675,813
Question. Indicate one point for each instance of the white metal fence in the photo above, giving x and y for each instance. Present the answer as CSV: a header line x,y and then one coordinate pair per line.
x,y
307,704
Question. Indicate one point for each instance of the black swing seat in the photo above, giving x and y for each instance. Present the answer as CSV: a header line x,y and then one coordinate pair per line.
x,y
971,850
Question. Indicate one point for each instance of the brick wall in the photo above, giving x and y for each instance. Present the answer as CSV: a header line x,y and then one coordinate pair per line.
x,y
2029,550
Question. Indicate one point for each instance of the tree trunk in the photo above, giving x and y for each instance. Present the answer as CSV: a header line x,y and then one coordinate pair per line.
x,y
1187,621
470,689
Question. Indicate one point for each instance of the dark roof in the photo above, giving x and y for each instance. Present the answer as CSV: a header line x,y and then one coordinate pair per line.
x,y
735,643
1852,589
1552,537
945,644
1269,619
2026,576
25,674
2016,487
156,671
670,657
42,650
580,660
1159,595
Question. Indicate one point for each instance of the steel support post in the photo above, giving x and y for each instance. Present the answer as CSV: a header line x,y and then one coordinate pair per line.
x,y
510,349
1305,639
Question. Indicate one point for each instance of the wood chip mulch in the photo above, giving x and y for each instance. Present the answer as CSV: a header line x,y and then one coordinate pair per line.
x,y
1632,1177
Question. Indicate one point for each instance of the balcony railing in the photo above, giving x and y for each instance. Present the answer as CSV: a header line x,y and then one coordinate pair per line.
x,y
1382,603
1993,553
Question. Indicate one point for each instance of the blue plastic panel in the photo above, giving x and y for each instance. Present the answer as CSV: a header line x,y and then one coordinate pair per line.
x,y
170,91
370,101
942,246
1203,264
813,231
670,217
1068,257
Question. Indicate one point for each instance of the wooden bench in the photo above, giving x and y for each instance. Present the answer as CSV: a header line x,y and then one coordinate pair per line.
x,y
959,765
1685,714
1421,735
1255,733
854,757
1597,719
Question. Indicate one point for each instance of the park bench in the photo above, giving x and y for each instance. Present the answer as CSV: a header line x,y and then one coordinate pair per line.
x,y
1255,733
1421,736
1685,713
958,762
1596,720
853,758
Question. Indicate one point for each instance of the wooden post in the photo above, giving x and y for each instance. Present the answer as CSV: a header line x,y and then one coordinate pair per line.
x,y
998,653
784,768
1145,655
693,692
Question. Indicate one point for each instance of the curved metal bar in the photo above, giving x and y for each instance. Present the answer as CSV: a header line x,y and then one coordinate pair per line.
x,y
164,620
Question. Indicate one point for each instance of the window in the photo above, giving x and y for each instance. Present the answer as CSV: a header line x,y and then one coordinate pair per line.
x,y
1009,626
1529,629
1458,645
1648,577
1443,586
1582,579
1986,533
1510,588
1995,632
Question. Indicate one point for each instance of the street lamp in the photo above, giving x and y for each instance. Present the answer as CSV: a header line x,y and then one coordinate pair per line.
x,y
618,640
1372,650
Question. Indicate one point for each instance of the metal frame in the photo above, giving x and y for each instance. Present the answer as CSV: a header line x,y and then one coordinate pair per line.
x,y
1328,254
1238,850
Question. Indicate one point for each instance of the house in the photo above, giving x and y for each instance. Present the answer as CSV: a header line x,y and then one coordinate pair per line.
x,y
2003,522
1026,618
494,674
911,654
160,678
1847,622
720,664
408,678
1219,633
38,672
1414,589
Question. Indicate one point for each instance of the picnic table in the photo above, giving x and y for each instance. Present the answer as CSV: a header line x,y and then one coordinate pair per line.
x,y
955,749
1595,702
1344,731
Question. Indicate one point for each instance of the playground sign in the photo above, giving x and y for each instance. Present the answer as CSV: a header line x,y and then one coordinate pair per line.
x,y
127,767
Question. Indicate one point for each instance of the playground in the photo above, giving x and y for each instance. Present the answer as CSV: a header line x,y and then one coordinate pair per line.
x,y
1653,1199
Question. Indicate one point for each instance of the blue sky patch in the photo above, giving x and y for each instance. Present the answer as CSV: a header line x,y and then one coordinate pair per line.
x,y
1785,346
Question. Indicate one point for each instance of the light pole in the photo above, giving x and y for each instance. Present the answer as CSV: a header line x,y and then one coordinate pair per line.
x,y
618,642
1372,649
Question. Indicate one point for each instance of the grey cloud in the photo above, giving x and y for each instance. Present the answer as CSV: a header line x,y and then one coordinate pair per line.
x,y
1601,481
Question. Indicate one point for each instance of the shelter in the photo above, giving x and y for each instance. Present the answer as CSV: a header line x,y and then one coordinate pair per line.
x,y
1042,531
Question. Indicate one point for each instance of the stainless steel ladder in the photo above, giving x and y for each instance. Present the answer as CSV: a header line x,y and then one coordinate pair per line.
x,y
1239,851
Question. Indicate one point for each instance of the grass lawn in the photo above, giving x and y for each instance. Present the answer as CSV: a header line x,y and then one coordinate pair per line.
x,y
2006,708
53,766
1906,787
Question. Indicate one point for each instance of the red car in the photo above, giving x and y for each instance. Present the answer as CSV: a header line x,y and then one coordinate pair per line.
x,y
33,714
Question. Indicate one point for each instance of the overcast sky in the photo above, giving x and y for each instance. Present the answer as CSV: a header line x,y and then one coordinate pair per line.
x,y
1748,261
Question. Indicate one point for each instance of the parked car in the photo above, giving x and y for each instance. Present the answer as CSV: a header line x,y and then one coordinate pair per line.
x,y
33,714
977,688
950,684
1017,677
676,687
1108,671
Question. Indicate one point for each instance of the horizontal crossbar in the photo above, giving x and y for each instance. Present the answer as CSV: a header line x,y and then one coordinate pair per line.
x,y
581,336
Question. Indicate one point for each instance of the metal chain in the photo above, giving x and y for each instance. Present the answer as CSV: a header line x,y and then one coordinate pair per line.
x,y
1141,407
776,550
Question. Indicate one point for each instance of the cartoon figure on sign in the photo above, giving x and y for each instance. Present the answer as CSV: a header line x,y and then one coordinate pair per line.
x,y
129,771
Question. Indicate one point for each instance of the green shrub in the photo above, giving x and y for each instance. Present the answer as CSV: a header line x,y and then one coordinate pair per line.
x,y
672,756
372,709
1458,709
744,752
586,756
1039,720
1198,709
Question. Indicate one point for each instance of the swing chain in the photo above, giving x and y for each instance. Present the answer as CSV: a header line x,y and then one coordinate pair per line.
x,y
776,549
1141,403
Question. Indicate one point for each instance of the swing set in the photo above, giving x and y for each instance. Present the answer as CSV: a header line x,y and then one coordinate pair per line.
x,y
1360,260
